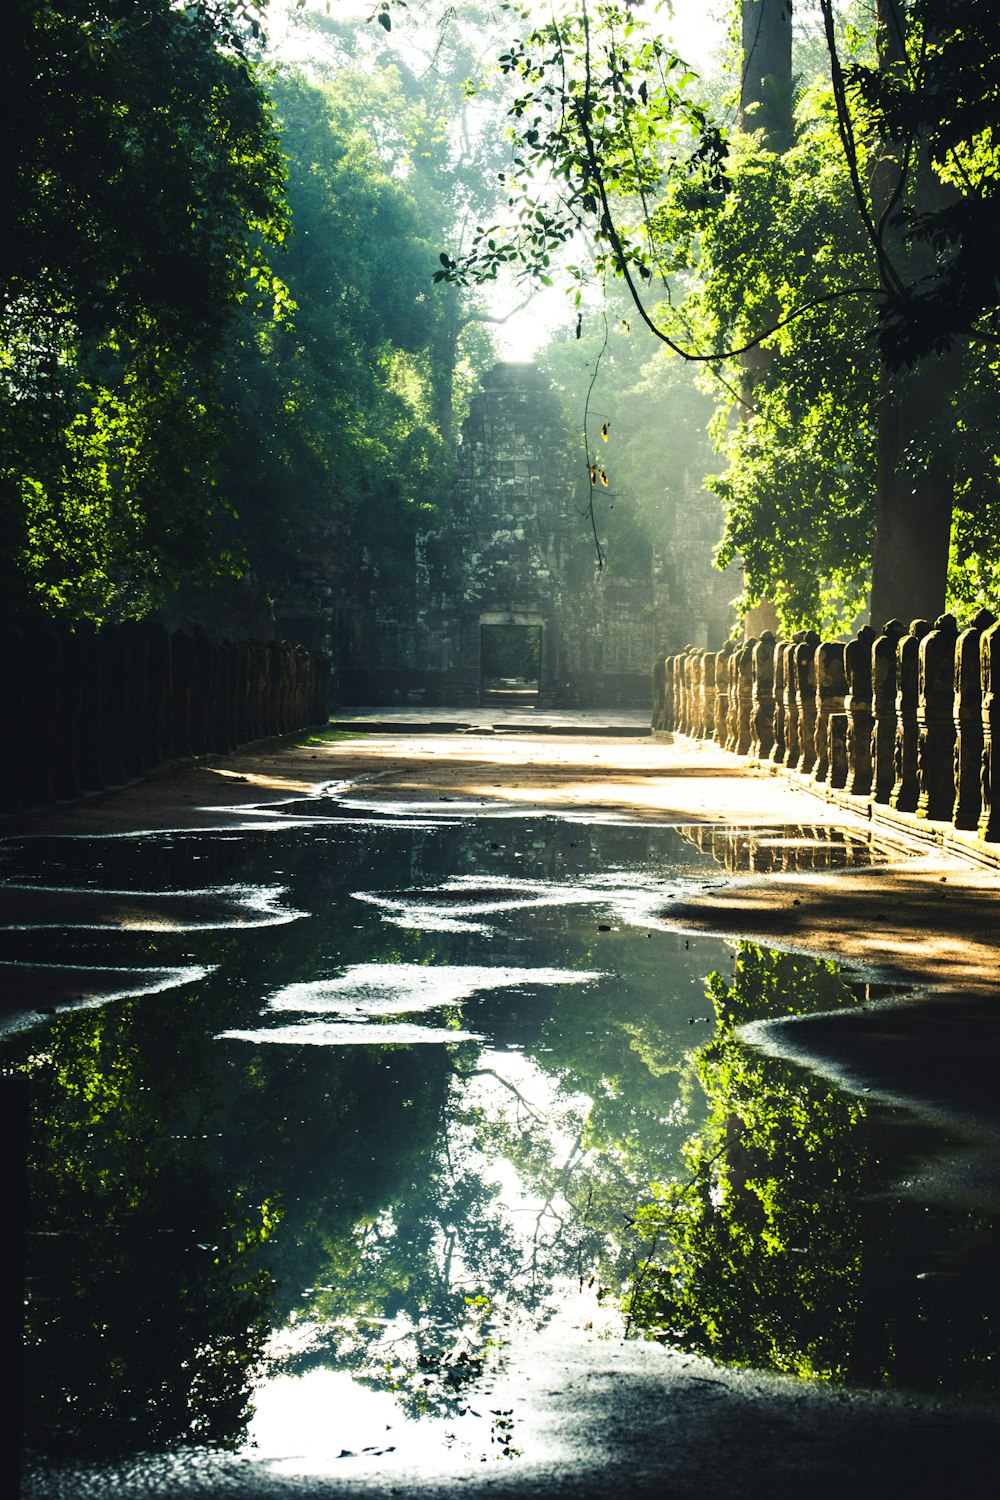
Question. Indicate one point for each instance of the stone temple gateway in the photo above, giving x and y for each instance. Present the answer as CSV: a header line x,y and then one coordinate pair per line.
x,y
510,587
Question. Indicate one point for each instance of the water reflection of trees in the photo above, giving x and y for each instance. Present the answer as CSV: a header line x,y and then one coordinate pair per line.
x,y
208,1209
786,1244
148,1306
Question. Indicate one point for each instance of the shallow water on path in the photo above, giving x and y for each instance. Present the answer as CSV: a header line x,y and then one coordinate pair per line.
x,y
386,1088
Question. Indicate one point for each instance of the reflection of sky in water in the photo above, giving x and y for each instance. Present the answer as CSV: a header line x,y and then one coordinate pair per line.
x,y
107,984
355,999
308,1412
390,989
459,904
68,908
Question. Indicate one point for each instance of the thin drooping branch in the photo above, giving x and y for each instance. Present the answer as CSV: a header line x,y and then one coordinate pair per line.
x,y
845,127
581,145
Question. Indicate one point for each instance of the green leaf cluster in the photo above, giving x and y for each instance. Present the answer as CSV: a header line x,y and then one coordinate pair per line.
x,y
602,111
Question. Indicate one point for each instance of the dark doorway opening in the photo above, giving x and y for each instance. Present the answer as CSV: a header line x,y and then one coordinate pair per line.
x,y
510,665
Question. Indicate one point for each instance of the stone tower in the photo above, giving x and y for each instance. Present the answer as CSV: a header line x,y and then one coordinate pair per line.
x,y
518,552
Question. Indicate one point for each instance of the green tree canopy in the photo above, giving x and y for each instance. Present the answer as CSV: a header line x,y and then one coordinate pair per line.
x,y
141,192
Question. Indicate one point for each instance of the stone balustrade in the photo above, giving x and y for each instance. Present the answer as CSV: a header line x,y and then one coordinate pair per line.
x,y
94,709
907,717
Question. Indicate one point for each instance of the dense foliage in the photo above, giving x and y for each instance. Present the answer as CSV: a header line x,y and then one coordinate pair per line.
x,y
221,354
333,427
142,193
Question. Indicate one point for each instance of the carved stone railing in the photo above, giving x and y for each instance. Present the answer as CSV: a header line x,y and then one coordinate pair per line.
x,y
93,709
908,717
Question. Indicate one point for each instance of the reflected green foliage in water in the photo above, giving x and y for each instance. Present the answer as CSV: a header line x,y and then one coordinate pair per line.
x,y
788,1244
218,1200
148,1302
757,1250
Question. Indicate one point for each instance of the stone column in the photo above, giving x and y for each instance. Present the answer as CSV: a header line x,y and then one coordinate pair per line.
x,y
831,690
733,714
805,699
969,722
694,712
884,709
989,817
905,788
744,722
858,671
706,703
780,748
936,721
694,699
838,729
722,660
793,750
679,668
762,689
658,680
669,721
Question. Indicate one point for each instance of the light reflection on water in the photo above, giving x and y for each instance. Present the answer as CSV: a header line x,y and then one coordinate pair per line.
x,y
223,1224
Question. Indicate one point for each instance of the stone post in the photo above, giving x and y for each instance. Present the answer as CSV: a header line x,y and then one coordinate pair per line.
x,y
694,713
693,672
805,699
679,669
733,713
904,792
831,691
744,722
884,709
762,689
780,748
669,722
858,671
722,660
969,722
657,684
706,703
989,818
793,750
838,729
936,721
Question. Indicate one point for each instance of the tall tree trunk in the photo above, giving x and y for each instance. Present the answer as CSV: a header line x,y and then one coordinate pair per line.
x,y
915,488
915,472
766,85
765,105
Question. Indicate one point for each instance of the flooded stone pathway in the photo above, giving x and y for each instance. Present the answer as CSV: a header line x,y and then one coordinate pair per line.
x,y
370,1130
